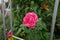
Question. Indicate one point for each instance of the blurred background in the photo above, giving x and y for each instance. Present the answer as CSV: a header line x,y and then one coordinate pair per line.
x,y
44,10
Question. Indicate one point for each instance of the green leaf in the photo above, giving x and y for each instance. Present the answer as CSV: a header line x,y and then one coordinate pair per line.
x,y
32,3
26,9
41,25
19,30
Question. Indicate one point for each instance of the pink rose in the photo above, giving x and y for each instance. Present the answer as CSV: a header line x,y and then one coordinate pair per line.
x,y
9,34
30,19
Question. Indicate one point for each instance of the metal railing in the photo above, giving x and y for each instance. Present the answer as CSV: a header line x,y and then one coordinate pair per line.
x,y
10,7
54,18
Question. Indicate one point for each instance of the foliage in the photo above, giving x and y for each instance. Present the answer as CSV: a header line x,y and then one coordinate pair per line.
x,y
42,29
41,32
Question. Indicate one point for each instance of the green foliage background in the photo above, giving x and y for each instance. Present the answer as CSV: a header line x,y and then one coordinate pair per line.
x,y
42,30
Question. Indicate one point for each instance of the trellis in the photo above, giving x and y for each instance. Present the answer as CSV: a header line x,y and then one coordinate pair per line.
x,y
10,16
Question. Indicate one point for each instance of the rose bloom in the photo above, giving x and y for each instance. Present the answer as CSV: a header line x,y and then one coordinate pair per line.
x,y
9,34
30,20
